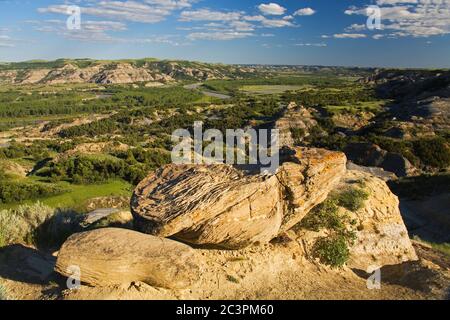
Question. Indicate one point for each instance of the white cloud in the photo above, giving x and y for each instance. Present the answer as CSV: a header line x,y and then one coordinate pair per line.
x,y
5,40
147,11
204,23
356,27
310,44
304,12
208,15
411,18
349,36
229,25
271,9
230,35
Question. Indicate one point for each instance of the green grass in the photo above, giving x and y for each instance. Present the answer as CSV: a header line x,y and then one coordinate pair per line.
x,y
444,248
272,89
78,194
3,293
371,106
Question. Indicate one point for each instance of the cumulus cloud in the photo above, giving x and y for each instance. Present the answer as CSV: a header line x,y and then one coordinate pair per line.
x,y
304,12
271,9
228,25
147,11
204,23
349,36
5,40
230,35
411,18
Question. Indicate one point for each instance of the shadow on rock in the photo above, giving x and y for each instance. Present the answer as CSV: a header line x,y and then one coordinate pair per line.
x,y
24,264
414,275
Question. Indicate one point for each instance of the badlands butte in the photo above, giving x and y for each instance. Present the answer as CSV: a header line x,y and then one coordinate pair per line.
x,y
88,188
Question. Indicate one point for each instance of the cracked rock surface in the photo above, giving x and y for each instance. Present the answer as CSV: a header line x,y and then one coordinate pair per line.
x,y
221,206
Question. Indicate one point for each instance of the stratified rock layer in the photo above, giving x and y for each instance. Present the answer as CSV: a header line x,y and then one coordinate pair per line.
x,y
220,205
118,256
382,237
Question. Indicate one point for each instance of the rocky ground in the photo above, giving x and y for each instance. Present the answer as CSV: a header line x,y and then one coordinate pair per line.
x,y
270,260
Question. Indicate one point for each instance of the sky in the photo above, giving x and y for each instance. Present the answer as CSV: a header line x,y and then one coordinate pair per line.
x,y
371,33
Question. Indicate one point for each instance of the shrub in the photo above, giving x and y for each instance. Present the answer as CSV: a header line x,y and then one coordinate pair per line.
x,y
324,216
298,134
18,225
352,199
332,251
57,228
16,190
433,152
3,293
37,225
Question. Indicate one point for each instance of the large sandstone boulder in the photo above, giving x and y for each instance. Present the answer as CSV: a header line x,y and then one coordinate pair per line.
x,y
381,237
118,256
222,206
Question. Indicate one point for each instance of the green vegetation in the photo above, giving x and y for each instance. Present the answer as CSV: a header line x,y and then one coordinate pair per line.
x,y
433,152
333,249
421,186
3,293
298,134
19,190
441,247
232,279
76,195
289,81
352,199
19,225
271,89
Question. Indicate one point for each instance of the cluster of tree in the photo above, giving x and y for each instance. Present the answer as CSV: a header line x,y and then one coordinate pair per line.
x,y
20,104
232,86
132,166
321,98
19,190
38,150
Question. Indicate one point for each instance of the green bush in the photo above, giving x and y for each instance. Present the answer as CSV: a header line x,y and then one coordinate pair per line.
x,y
433,152
298,134
3,293
57,228
18,225
17,190
332,251
324,216
352,199
37,225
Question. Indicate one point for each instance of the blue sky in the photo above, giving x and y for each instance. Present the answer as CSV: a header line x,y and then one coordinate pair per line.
x,y
411,33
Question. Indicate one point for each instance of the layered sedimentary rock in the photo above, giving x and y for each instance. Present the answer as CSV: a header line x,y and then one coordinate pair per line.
x,y
382,237
220,205
294,125
371,155
118,256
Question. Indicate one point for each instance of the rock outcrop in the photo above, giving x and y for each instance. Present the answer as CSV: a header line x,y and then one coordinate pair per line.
x,y
294,125
222,206
118,256
116,72
371,155
381,235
